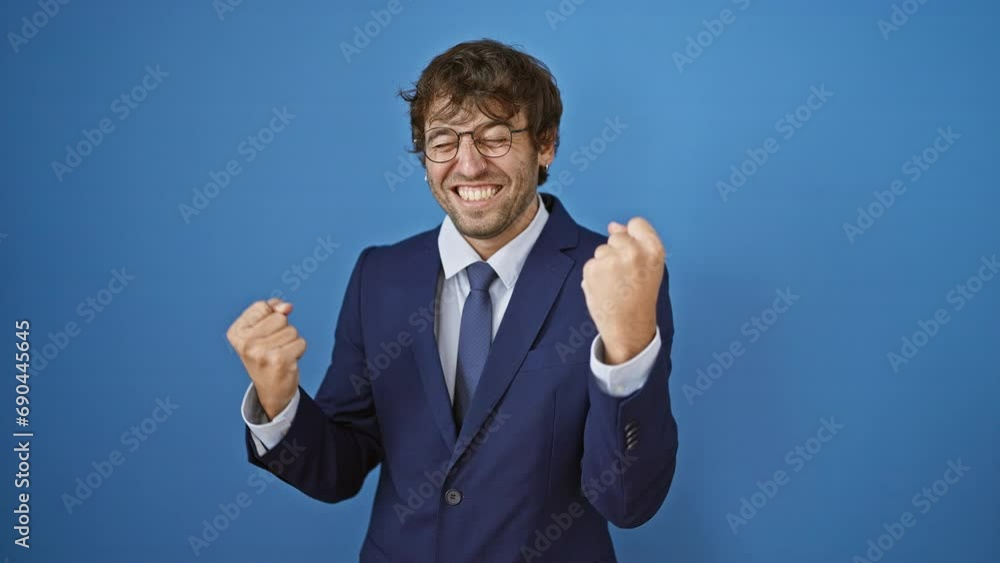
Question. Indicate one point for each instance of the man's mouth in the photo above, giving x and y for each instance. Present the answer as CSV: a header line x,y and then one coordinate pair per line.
x,y
483,192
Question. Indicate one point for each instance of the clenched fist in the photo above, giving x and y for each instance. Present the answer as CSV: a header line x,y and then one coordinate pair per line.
x,y
270,349
621,283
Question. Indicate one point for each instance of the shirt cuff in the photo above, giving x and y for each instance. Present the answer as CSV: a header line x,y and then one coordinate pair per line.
x,y
623,379
267,434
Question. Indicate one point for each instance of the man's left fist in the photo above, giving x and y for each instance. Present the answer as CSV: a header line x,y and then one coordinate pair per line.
x,y
621,283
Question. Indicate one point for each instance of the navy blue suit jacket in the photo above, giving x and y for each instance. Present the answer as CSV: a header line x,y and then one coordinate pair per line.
x,y
544,460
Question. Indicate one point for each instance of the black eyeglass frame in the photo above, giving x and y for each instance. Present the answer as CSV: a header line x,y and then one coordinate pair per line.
x,y
472,136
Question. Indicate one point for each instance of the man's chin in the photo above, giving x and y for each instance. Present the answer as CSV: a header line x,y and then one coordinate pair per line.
x,y
473,229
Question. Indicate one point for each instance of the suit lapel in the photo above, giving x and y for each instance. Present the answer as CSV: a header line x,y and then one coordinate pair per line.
x,y
424,270
538,284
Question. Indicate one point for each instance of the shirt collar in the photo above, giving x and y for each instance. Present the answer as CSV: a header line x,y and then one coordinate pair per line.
x,y
457,253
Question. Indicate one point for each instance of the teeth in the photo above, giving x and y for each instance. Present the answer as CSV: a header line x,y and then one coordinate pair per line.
x,y
477,194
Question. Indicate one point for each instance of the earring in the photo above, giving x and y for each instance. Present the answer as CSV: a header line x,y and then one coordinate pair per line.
x,y
425,177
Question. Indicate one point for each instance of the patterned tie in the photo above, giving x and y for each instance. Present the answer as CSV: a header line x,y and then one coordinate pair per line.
x,y
475,337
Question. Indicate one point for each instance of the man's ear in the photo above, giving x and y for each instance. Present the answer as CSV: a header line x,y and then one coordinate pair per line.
x,y
547,141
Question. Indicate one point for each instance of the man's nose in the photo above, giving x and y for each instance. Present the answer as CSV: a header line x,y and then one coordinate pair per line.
x,y
470,162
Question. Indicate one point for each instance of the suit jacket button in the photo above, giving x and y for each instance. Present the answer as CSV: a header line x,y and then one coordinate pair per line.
x,y
453,497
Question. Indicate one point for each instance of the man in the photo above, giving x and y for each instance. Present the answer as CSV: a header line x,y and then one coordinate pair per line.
x,y
508,369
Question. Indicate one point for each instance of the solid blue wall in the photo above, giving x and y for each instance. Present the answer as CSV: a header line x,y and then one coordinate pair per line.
x,y
691,113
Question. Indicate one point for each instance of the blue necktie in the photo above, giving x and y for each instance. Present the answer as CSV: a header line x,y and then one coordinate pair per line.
x,y
474,338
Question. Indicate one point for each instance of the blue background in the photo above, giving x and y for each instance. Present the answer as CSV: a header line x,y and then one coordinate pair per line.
x,y
324,175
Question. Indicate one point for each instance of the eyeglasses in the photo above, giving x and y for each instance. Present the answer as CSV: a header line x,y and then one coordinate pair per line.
x,y
492,140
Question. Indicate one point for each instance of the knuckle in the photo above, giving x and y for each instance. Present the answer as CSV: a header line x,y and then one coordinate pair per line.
x,y
280,320
629,253
253,352
273,357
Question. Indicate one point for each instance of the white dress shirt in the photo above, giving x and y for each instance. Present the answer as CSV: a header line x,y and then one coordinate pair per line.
x,y
453,287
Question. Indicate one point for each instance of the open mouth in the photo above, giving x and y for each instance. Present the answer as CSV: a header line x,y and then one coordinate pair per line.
x,y
477,194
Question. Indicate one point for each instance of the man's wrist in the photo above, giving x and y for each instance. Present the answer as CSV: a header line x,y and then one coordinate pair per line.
x,y
618,351
273,404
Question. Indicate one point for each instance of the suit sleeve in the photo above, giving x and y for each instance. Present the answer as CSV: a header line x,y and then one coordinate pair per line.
x,y
267,433
334,440
633,438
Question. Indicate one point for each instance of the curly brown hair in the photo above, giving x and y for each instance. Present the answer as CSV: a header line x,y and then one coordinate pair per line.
x,y
496,79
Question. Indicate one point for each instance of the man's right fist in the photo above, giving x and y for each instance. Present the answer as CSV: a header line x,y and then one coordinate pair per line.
x,y
270,349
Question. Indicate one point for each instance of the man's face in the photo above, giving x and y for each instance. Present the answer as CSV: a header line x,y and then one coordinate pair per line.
x,y
484,196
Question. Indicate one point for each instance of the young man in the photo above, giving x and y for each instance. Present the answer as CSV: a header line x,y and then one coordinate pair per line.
x,y
508,368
